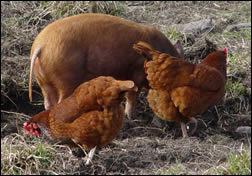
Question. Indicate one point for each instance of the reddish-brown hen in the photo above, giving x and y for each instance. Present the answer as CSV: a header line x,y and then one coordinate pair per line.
x,y
92,116
179,89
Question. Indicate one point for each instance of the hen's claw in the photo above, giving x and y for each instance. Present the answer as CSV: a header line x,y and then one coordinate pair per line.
x,y
90,155
195,122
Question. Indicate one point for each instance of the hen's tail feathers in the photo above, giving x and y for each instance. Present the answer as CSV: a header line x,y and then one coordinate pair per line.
x,y
145,50
127,85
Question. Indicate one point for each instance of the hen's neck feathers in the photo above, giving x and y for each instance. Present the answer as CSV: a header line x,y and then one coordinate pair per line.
x,y
41,119
49,126
217,60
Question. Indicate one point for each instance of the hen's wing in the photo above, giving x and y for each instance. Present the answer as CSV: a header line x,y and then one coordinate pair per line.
x,y
83,99
165,72
98,127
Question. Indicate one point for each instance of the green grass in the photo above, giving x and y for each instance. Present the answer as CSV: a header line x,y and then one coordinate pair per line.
x,y
172,34
176,169
44,3
237,164
23,158
244,34
235,89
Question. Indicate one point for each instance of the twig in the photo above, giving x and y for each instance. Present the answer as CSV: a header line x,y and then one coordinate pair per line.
x,y
219,117
16,113
4,94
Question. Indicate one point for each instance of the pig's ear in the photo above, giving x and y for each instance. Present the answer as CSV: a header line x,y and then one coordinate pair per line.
x,y
179,48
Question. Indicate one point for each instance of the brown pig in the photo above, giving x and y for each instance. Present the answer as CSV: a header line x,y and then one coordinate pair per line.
x,y
79,48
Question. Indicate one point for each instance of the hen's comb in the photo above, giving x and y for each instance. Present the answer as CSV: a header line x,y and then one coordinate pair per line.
x,y
225,50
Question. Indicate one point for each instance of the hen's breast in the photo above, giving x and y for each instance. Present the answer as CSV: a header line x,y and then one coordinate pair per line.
x,y
162,105
97,128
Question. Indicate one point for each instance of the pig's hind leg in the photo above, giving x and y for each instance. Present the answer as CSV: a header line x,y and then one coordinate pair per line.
x,y
50,94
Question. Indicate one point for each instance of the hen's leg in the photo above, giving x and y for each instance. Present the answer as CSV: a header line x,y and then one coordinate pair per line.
x,y
49,93
195,122
90,155
183,128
